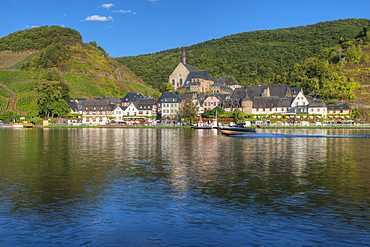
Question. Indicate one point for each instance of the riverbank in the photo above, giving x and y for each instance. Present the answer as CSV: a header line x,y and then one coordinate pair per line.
x,y
191,127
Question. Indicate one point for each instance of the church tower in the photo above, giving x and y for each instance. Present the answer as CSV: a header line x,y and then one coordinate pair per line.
x,y
183,57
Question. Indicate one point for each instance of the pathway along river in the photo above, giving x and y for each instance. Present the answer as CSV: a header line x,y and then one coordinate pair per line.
x,y
184,187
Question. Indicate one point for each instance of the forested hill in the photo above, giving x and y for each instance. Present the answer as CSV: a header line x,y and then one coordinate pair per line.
x,y
85,68
252,57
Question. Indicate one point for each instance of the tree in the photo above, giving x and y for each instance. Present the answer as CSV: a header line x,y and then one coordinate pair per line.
x,y
52,95
356,113
9,116
165,87
189,111
239,116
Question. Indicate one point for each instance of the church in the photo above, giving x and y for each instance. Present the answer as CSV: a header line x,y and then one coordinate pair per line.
x,y
186,77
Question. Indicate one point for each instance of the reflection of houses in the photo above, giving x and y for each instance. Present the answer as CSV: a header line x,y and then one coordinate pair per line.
x,y
96,112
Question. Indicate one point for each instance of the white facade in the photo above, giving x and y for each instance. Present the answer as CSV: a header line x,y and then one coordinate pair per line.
x,y
118,114
300,100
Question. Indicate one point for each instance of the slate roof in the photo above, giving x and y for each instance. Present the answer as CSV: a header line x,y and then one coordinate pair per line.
x,y
198,74
212,95
98,104
238,93
339,107
81,99
286,102
95,102
122,107
168,97
144,104
271,102
295,90
186,97
279,90
73,106
131,97
226,80
221,97
114,100
231,102
313,102
191,68
265,102
255,91
222,87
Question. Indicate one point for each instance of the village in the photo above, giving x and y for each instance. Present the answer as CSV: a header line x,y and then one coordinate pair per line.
x,y
197,87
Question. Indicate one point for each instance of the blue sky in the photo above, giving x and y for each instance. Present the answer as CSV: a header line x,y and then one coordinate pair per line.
x,y
134,27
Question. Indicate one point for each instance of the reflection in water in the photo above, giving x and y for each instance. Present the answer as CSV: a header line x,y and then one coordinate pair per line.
x,y
147,187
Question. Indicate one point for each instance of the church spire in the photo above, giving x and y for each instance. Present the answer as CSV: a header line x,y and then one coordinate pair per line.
x,y
183,57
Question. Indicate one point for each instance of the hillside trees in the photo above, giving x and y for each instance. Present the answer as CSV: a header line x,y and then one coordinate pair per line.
x,y
50,57
52,95
36,39
165,87
321,77
252,58
9,116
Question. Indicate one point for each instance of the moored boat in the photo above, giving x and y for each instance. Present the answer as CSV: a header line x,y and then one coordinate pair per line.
x,y
237,130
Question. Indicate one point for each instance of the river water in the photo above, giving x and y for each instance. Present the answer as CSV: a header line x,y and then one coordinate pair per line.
x,y
184,187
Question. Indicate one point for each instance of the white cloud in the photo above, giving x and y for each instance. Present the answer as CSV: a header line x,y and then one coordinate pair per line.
x,y
98,18
153,1
28,26
107,5
124,11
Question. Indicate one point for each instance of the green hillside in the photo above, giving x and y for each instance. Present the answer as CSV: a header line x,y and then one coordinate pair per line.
x,y
253,57
85,67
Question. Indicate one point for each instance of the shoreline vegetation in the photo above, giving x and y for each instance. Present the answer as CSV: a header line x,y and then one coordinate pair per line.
x,y
190,127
